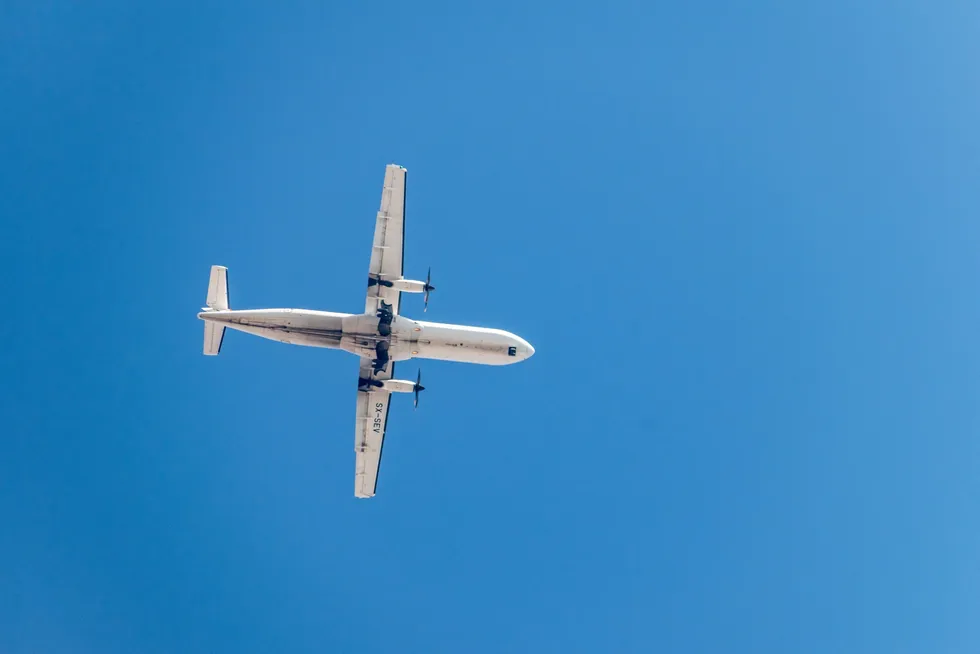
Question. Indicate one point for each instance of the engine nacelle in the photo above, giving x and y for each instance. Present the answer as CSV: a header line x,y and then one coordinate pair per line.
x,y
393,386
398,385
390,385
404,286
408,285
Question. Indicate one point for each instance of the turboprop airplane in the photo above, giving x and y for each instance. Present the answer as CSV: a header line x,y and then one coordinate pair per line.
x,y
380,335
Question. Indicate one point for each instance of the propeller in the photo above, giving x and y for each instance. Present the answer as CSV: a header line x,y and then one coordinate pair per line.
x,y
418,388
428,287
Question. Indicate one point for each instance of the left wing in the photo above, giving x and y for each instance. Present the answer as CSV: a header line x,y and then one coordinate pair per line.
x,y
369,434
388,252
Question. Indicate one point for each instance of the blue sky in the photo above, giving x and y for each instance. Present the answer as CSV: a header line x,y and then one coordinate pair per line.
x,y
742,239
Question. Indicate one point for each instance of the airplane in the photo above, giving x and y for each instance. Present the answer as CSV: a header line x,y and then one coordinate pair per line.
x,y
380,336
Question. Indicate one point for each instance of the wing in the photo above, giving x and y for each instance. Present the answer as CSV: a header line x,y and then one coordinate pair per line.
x,y
388,253
369,434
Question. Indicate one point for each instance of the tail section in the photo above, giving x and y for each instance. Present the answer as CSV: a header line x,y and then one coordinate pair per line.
x,y
214,332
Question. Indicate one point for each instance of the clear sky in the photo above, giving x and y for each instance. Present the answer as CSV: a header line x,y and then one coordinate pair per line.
x,y
743,240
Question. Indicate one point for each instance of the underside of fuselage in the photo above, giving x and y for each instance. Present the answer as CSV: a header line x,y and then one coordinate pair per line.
x,y
381,338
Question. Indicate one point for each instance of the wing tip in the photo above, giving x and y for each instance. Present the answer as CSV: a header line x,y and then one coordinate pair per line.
x,y
360,493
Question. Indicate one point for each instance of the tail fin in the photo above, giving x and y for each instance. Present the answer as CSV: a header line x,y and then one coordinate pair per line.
x,y
218,289
214,332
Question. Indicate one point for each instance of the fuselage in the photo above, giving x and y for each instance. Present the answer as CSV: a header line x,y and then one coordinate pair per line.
x,y
359,334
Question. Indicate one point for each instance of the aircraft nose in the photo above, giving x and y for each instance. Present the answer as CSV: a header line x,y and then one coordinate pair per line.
x,y
526,349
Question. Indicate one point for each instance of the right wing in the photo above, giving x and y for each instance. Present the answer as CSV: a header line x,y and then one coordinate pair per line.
x,y
369,432
388,251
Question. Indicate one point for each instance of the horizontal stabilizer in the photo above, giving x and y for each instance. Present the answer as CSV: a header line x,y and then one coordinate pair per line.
x,y
214,334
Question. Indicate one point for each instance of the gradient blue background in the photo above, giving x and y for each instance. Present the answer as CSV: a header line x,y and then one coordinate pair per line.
x,y
742,239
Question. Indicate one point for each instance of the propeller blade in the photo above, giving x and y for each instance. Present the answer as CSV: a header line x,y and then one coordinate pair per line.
x,y
418,387
428,287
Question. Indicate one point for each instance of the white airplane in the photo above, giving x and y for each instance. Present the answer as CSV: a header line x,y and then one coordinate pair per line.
x,y
380,336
